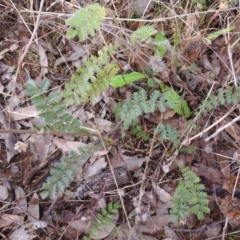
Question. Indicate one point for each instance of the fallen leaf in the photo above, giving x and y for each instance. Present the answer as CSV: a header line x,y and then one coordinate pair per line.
x,y
40,146
3,192
43,62
78,52
132,163
33,208
67,146
213,231
96,167
156,223
21,201
104,125
163,196
169,233
9,139
7,219
212,174
21,234
24,113
13,47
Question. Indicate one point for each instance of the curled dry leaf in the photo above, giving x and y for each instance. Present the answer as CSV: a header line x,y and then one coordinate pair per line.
x,y
21,146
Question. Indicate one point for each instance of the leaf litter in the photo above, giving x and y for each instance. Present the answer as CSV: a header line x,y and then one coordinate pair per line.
x,y
190,67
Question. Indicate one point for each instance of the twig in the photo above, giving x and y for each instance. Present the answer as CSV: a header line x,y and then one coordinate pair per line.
x,y
222,128
28,45
85,132
187,141
54,202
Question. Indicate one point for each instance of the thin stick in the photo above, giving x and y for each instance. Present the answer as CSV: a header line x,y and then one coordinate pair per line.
x,y
28,46
222,128
187,141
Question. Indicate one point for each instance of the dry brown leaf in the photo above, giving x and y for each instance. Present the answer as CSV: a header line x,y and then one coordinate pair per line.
x,y
191,23
233,130
225,168
169,233
33,208
9,139
156,223
132,163
43,62
8,219
96,167
21,201
78,52
76,228
212,174
21,234
12,47
3,193
213,231
163,196
142,6
104,125
67,146
40,146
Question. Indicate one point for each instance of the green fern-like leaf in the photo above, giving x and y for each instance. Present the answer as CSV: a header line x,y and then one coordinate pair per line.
x,y
135,107
92,79
86,22
104,218
189,196
167,132
51,108
221,99
143,34
63,173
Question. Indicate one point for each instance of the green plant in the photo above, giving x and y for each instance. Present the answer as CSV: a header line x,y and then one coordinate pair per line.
x,y
91,79
162,45
222,99
167,132
95,75
141,104
139,132
104,218
86,22
50,108
189,196
64,172
143,34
